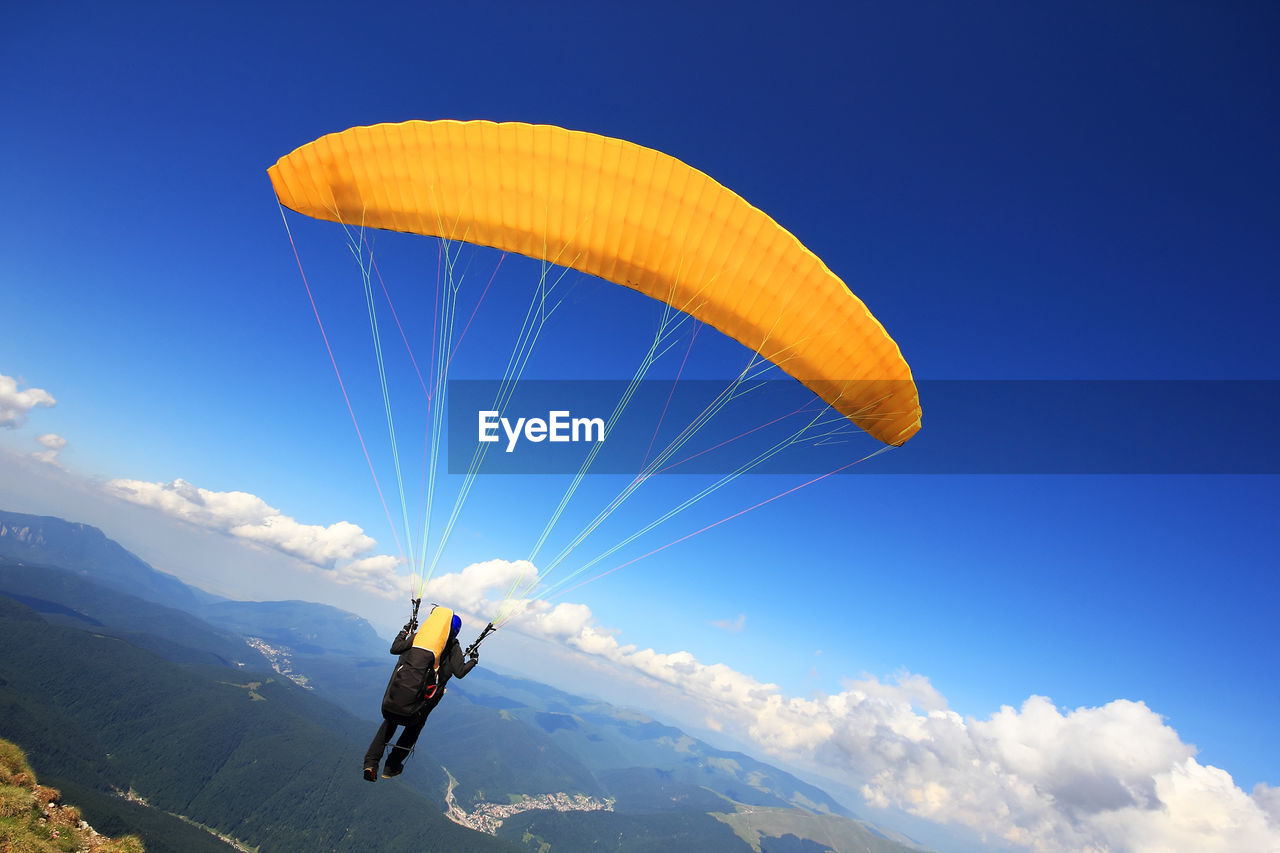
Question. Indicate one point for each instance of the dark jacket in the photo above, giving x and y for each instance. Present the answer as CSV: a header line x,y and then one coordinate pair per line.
x,y
452,662
403,642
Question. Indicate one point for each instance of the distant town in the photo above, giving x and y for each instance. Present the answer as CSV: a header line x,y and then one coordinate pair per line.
x,y
487,817
279,660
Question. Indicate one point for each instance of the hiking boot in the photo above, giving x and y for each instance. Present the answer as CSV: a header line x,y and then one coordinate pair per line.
x,y
392,770
371,773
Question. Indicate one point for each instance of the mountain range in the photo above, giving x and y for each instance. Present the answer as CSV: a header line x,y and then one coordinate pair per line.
x,y
199,723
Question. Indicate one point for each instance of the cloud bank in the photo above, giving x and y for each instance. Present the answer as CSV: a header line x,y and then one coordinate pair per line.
x,y
15,405
1112,778
341,550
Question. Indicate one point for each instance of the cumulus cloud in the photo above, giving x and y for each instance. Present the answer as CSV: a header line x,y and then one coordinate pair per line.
x,y
1268,798
378,574
479,587
15,405
1111,778
342,548
52,444
733,626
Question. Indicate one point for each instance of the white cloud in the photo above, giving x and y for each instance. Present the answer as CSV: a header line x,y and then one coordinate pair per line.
x,y
15,404
1112,778
733,626
469,589
52,444
1268,798
342,548
378,574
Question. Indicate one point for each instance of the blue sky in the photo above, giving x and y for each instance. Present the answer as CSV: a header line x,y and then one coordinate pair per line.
x,y
1032,192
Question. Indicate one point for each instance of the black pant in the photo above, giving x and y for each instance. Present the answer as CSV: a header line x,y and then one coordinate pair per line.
x,y
404,743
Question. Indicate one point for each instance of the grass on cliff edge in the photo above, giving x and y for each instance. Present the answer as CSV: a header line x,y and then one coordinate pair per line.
x,y
33,820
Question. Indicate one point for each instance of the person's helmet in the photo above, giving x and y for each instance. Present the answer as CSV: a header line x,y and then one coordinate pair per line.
x,y
455,626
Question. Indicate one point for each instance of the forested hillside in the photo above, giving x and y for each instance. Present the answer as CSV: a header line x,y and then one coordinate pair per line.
x,y
35,819
195,736
255,758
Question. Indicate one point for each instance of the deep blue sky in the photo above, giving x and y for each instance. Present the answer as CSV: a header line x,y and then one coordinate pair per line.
x,y
1017,191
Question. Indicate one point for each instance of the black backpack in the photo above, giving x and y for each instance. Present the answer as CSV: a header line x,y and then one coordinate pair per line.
x,y
412,685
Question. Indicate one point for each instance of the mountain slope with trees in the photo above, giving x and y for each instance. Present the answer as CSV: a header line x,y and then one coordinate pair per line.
x,y
33,818
173,728
260,761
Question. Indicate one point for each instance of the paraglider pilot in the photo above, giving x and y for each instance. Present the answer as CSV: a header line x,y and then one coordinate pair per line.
x,y
429,657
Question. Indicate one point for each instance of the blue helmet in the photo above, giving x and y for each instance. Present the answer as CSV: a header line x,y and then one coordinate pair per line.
x,y
455,626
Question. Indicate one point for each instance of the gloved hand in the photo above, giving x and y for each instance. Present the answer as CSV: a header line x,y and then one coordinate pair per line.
x,y
475,655
409,628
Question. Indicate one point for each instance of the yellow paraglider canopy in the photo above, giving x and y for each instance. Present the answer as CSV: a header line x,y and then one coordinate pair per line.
x,y
628,214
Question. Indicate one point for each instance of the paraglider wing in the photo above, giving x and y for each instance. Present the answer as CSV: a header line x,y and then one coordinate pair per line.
x,y
627,214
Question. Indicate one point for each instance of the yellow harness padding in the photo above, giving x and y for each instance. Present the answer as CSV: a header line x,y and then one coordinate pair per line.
x,y
434,632
625,213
